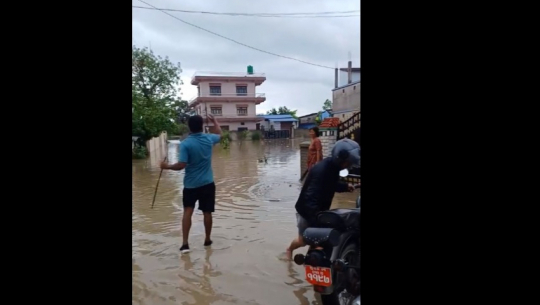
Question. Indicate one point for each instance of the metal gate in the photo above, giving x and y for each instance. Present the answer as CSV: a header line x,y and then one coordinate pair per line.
x,y
351,129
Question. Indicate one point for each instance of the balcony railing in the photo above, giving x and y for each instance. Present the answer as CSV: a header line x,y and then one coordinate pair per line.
x,y
241,95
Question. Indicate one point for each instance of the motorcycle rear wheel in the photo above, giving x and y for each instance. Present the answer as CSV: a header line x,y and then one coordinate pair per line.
x,y
351,254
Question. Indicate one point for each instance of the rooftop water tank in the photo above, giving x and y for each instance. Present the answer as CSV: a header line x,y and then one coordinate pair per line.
x,y
250,69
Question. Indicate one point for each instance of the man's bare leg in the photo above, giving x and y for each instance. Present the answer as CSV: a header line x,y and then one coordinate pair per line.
x,y
295,244
207,228
186,224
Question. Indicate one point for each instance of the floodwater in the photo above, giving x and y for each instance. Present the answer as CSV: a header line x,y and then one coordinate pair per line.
x,y
253,224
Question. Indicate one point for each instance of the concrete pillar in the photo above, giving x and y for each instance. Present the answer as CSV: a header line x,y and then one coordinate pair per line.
x,y
304,146
349,72
335,78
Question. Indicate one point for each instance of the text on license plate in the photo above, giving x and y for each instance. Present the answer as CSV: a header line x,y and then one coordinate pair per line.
x,y
319,276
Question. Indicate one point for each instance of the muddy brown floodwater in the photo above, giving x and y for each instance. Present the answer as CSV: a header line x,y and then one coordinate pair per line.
x,y
253,224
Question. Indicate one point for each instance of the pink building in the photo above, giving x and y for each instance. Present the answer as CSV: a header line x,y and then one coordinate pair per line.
x,y
230,97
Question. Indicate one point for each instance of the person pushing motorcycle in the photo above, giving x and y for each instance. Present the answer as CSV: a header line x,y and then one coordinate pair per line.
x,y
322,182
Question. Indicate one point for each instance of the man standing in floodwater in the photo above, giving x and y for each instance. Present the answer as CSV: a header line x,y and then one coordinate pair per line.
x,y
196,158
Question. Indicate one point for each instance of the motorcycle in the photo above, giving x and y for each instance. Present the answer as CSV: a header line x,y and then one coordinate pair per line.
x,y
332,264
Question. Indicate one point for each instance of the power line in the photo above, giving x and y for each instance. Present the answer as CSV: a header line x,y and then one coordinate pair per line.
x,y
237,42
271,15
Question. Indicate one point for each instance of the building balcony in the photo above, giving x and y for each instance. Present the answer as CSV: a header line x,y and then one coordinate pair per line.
x,y
228,98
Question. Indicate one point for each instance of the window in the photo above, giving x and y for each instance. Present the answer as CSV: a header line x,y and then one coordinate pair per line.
x,y
215,90
215,110
241,90
224,127
241,111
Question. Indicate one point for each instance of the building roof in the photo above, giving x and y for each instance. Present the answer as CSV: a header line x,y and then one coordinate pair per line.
x,y
229,74
278,117
284,120
307,125
199,76
329,122
275,116
305,116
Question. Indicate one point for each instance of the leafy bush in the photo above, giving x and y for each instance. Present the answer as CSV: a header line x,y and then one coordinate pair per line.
x,y
225,139
139,152
255,135
225,134
180,129
243,135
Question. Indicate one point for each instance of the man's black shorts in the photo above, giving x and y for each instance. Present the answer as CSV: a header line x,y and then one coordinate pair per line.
x,y
206,195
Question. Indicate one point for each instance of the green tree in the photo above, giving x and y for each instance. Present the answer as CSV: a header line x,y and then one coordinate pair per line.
x,y
182,112
327,105
283,110
154,94
318,118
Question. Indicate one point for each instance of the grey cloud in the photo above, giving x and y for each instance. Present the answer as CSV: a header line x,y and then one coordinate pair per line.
x,y
295,85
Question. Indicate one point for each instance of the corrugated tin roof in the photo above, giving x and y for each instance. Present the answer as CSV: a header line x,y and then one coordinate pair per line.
x,y
284,120
276,116
305,116
307,125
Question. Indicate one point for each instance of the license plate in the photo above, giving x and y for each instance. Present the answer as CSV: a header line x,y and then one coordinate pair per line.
x,y
319,276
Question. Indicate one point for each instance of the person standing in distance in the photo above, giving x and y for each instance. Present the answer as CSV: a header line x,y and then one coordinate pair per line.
x,y
315,148
196,158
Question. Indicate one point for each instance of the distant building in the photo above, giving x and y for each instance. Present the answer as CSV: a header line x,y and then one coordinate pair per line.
x,y
307,121
278,125
326,114
230,97
310,120
346,92
278,122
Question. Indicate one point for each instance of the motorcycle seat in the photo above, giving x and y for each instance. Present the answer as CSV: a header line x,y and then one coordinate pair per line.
x,y
339,219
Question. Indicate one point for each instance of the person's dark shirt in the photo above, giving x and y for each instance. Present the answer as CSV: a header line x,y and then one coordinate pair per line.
x,y
318,190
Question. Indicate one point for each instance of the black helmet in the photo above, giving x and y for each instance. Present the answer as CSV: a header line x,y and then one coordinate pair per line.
x,y
347,150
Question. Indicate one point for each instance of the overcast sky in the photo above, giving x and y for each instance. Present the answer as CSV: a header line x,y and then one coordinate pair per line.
x,y
324,41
